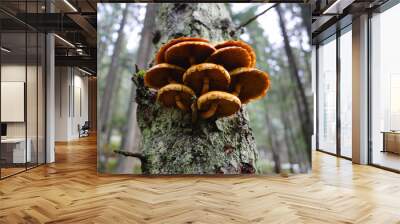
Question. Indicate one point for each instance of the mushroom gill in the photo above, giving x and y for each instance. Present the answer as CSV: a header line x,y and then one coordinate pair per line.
x,y
163,74
205,77
218,104
241,44
188,53
249,83
176,95
231,57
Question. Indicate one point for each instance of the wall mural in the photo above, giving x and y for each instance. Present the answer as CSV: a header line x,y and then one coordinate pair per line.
x,y
204,88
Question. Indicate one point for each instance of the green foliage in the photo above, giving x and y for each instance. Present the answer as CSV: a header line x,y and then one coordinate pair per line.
x,y
137,169
112,164
264,167
141,73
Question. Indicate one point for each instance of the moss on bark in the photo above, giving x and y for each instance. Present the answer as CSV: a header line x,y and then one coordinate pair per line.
x,y
171,143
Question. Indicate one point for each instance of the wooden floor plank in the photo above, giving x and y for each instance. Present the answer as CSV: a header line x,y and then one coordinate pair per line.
x,y
70,191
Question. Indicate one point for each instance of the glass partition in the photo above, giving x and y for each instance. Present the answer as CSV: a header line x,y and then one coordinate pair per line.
x,y
15,152
346,93
41,96
385,89
31,100
22,101
327,96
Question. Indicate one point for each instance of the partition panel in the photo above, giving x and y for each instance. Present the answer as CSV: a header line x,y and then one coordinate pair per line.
x,y
327,96
22,77
385,89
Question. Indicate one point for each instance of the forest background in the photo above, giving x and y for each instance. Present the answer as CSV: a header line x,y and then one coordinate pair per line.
x,y
281,121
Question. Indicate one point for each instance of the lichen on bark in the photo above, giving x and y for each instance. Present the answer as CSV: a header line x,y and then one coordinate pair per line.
x,y
171,143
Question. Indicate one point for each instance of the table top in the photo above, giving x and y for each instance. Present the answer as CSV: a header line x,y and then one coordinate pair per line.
x,y
391,132
13,140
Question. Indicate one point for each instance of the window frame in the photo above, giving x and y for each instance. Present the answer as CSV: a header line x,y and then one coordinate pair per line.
x,y
347,27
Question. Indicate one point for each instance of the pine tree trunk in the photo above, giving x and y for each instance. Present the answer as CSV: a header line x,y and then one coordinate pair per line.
x,y
131,130
171,143
302,102
112,80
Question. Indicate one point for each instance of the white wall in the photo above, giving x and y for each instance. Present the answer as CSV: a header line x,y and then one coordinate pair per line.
x,y
71,94
61,103
33,126
13,73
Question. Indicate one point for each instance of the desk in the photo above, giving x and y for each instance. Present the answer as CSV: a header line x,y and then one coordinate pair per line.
x,y
13,150
391,141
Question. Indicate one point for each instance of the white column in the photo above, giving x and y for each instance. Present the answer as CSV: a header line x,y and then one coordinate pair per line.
x,y
360,90
314,90
50,99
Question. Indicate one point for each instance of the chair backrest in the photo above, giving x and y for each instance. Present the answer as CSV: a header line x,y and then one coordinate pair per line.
x,y
86,124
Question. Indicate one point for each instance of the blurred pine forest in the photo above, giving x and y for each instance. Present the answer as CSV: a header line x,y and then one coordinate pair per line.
x,y
281,121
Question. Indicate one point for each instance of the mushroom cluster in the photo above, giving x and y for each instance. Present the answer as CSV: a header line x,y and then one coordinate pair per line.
x,y
213,80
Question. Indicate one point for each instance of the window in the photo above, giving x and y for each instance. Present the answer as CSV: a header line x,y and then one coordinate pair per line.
x,y
327,96
385,89
346,94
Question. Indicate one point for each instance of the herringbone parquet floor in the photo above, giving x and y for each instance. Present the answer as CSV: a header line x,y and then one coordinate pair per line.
x,y
70,191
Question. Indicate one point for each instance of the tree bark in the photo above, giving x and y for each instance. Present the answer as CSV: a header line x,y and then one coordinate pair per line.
x,y
112,80
304,107
132,133
171,143
275,144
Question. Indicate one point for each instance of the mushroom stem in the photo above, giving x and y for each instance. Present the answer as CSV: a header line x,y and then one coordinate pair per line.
x,y
206,85
192,60
238,87
194,111
171,80
180,104
210,112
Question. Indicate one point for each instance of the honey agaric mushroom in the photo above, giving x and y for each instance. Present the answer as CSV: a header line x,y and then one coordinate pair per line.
x,y
249,83
188,53
206,76
160,56
176,95
231,57
218,104
238,43
163,74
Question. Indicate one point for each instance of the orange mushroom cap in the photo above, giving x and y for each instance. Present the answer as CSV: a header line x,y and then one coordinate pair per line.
x,y
182,53
254,83
160,56
231,57
238,43
219,78
161,74
167,95
227,104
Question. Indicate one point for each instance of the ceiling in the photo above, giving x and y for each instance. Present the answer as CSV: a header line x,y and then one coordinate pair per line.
x,y
330,15
74,22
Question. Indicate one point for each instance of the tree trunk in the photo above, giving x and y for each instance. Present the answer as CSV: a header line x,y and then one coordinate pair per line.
x,y
275,145
112,80
143,57
304,114
171,143
132,133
